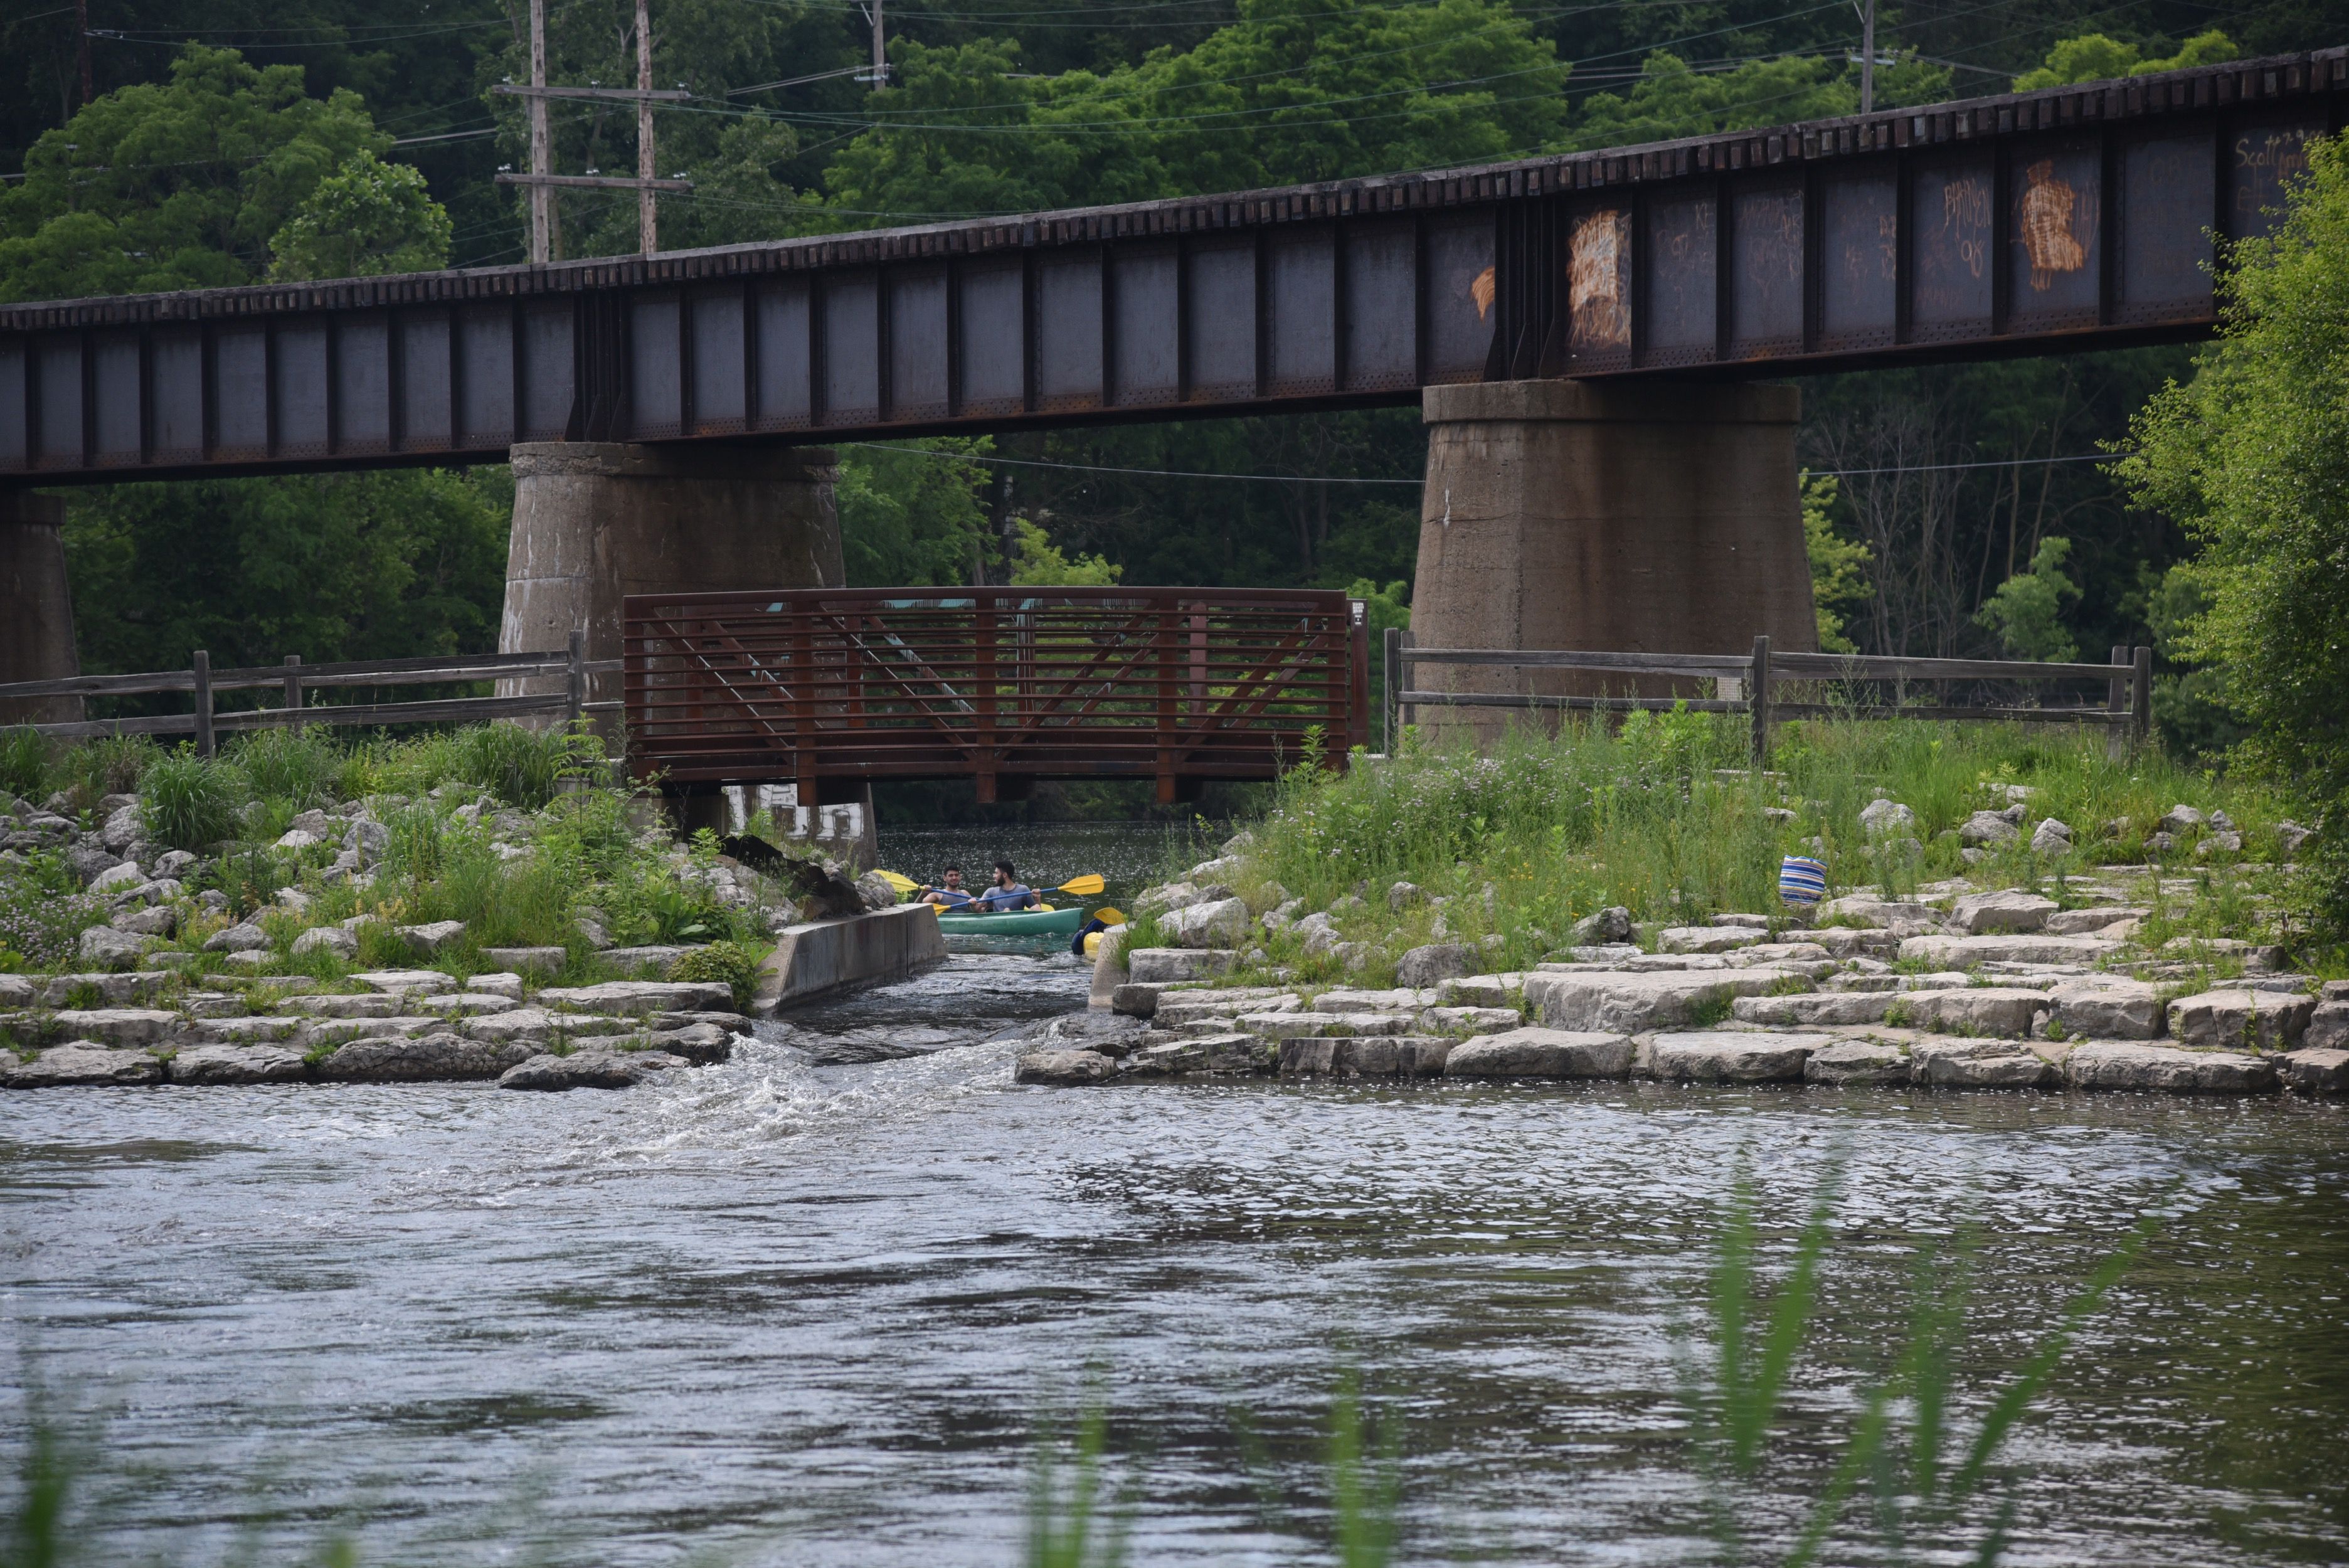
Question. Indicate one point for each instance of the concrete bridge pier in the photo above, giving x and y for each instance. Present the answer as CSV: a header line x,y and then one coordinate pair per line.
x,y
595,521
36,625
1557,514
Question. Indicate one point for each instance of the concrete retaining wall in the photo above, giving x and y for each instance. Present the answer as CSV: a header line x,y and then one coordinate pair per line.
x,y
826,956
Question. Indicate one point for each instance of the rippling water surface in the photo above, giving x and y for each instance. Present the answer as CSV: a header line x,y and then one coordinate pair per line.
x,y
810,1307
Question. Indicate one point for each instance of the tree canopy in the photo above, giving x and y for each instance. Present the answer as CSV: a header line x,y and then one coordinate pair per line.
x,y
2252,457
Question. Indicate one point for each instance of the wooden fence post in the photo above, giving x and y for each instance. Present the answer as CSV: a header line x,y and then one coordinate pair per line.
x,y
2141,699
1405,715
1391,668
1757,700
574,679
2117,699
203,663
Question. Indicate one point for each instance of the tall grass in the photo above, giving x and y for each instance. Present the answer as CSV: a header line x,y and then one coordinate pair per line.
x,y
190,802
1072,1520
1901,1445
1662,814
25,764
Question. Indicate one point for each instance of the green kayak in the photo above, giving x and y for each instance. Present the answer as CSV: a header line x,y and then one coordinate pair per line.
x,y
1012,922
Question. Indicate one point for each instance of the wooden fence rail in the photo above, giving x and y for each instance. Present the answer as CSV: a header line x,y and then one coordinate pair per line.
x,y
294,680
2127,708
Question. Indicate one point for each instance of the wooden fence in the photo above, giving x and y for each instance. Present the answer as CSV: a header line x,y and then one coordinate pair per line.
x,y
2127,710
295,679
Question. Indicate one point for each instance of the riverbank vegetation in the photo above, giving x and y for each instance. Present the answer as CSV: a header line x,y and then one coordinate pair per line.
x,y
305,853
1662,815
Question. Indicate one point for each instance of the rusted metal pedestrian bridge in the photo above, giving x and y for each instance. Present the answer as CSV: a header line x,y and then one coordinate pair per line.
x,y
834,689
2044,221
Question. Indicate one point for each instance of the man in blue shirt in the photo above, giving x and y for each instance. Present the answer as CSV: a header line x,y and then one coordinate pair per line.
x,y
953,895
1009,892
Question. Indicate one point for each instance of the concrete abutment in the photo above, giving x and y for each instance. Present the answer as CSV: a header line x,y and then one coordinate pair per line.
x,y
595,521
1558,514
36,622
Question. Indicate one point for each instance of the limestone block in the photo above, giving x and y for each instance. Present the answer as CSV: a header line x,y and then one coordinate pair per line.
x,y
1175,965
591,1069
1638,1003
2003,1010
2316,1069
2008,909
390,1058
1727,1056
232,1064
1979,1064
1062,1070
1857,1062
84,1063
2240,1019
1542,1052
1813,1009
1707,938
2109,1009
2123,1065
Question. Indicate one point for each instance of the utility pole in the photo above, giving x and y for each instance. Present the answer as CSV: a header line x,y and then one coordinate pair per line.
x,y
1866,57
647,214
880,75
81,20
542,160
545,237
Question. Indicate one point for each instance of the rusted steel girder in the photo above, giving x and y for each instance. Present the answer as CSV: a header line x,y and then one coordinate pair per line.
x,y
2034,222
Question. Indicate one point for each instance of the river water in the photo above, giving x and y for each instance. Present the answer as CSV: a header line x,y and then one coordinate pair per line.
x,y
814,1306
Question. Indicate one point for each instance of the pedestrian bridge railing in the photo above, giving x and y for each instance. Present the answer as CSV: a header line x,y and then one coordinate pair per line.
x,y
834,689
1839,685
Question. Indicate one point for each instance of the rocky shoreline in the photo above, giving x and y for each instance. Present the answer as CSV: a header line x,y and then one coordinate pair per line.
x,y
1954,987
409,1026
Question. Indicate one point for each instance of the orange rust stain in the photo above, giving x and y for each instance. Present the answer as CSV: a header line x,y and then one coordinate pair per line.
x,y
1601,316
2044,221
1480,290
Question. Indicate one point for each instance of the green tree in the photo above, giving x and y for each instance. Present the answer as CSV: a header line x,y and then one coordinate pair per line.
x,y
913,513
2027,612
367,218
1040,564
1671,98
183,184
384,564
2252,457
2094,57
1838,565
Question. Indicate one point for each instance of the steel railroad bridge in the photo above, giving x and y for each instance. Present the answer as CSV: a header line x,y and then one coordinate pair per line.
x,y
2072,218
1590,337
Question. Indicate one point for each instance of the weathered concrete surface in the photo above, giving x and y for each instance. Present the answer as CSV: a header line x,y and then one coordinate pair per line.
x,y
1857,1062
595,522
825,957
1636,1004
36,623
2127,1065
1558,514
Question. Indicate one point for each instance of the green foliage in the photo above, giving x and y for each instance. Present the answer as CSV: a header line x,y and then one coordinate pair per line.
x,y
2190,705
734,964
368,217
910,517
2252,457
2026,610
302,766
25,764
1661,816
522,767
385,565
43,912
190,802
1072,1523
1672,99
1040,564
1838,565
2094,57
176,185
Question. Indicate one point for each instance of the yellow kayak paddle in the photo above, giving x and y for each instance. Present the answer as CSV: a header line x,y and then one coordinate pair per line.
x,y
1085,886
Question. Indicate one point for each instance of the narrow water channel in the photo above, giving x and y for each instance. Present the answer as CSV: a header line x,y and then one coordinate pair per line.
x,y
811,1308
